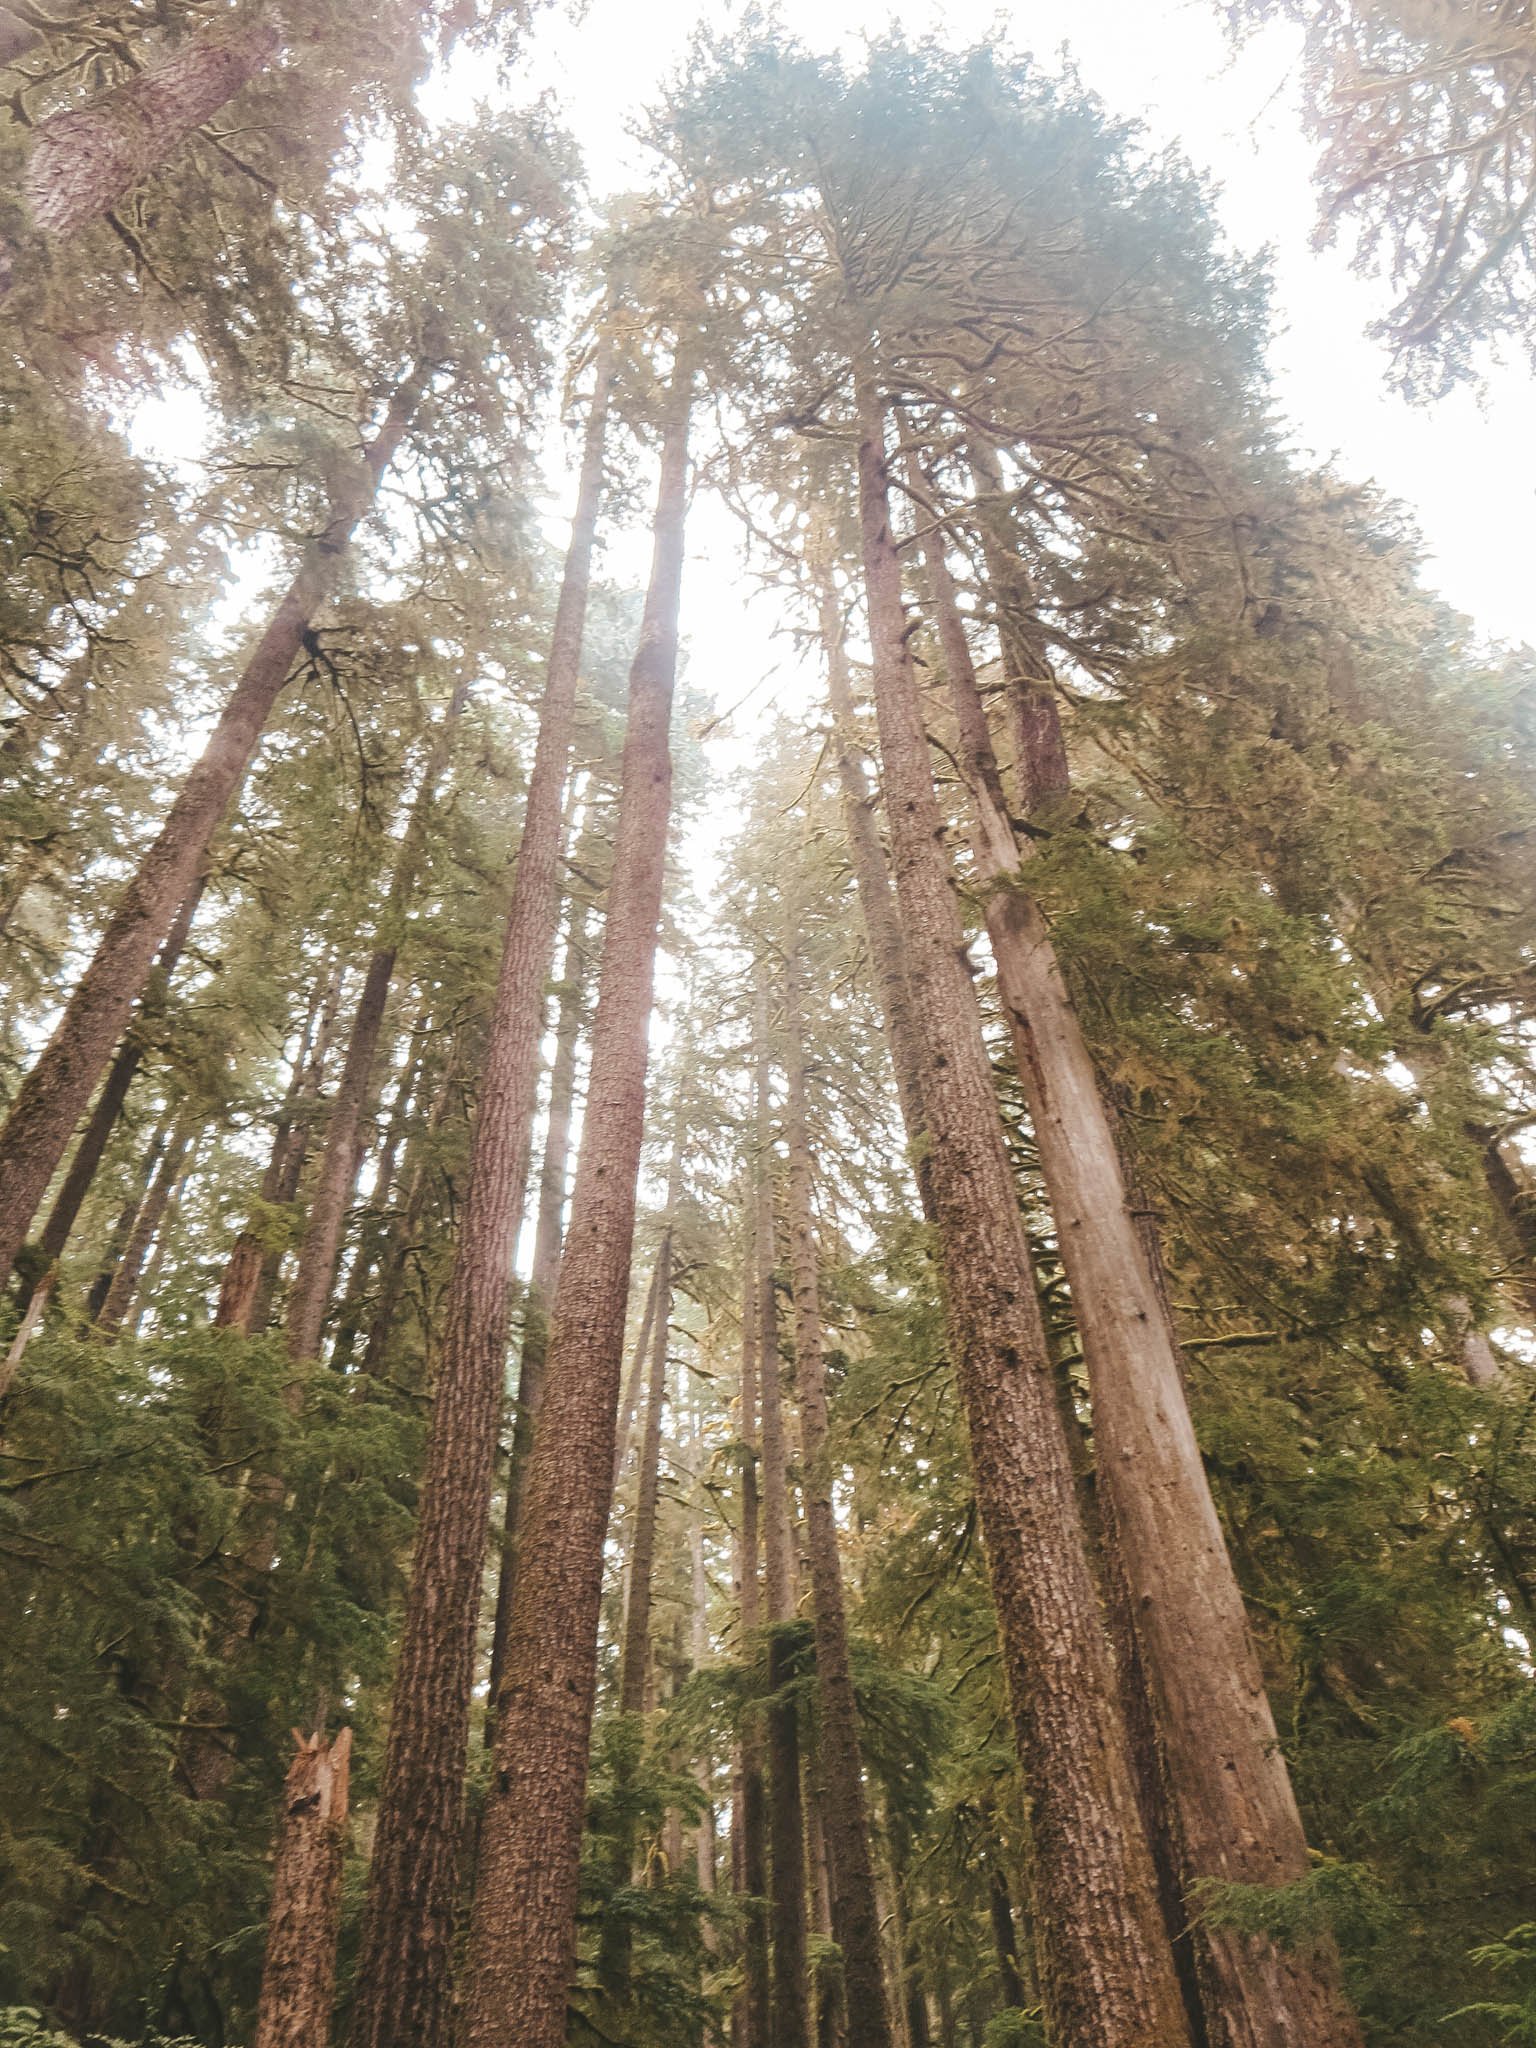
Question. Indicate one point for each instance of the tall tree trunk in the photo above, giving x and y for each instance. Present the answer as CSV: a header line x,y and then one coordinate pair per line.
x,y
855,1914
299,1975
756,2011
127,1216
51,1100
522,1943
548,1234
251,1270
95,1137
877,903
403,1974
84,159
340,1160
373,1237
1110,1975
125,1281
1233,1809
400,1238
786,1819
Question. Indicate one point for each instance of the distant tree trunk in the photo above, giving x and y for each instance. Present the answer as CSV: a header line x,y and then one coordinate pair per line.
x,y
704,1845
400,1238
252,1265
340,1160
877,903
855,1914
51,1100
756,2011
403,1973
127,1216
522,1941
114,1090
1004,1938
84,159
1111,1982
299,1975
349,1314
1233,1809
125,1281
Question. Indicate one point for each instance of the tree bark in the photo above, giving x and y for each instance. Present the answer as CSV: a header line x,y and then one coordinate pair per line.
x,y
299,1975
340,1160
1109,1971
1232,1806
877,904
634,1658
373,1237
522,1943
51,1100
125,1281
84,159
97,1134
855,1914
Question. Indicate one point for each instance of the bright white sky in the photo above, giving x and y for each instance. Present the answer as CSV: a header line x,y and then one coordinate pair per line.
x,y
1462,465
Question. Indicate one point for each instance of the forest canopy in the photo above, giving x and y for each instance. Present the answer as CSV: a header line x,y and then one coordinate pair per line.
x,y
838,1356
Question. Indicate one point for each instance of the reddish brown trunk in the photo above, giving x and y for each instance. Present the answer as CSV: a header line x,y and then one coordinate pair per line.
x,y
1232,1806
403,1974
1109,1973
299,1974
51,1100
855,1914
83,160
114,1091
522,1943
125,1281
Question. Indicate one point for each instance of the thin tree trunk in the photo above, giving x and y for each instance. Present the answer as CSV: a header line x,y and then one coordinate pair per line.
x,y
251,1270
299,1975
94,1138
757,1984
634,1659
855,1914
84,159
1110,1976
1233,1809
372,1239
522,1942
125,1281
127,1216
394,1259
1004,1939
54,1095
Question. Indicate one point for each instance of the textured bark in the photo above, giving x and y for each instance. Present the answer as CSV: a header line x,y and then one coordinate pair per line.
x,y
403,1977
787,1918
341,1158
522,1942
634,1659
855,1914
1109,1974
877,903
548,1235
125,1281
102,1123
299,1975
83,160
51,1100
1233,1810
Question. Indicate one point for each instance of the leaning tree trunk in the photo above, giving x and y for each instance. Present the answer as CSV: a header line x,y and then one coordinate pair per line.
x,y
1110,1978
523,1934
403,1973
51,1100
83,160
855,1914
299,1975
1233,1811
97,1134
339,1162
